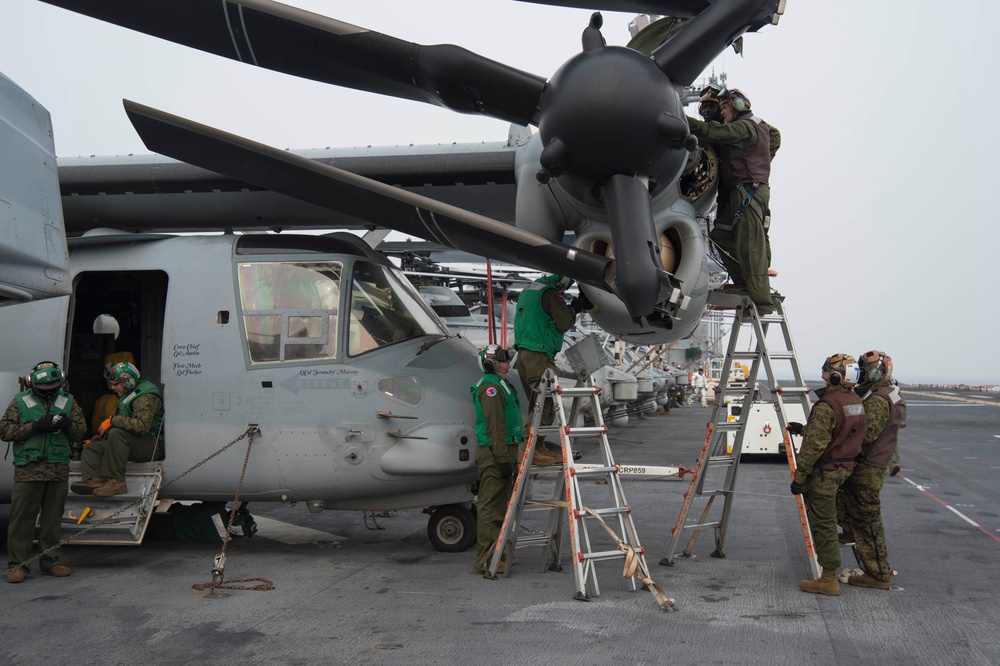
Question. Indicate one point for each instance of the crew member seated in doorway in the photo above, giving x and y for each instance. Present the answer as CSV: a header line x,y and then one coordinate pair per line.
x,y
132,434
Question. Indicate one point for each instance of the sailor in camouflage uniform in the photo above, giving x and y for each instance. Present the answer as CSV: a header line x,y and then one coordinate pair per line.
x,y
859,509
134,433
41,422
832,441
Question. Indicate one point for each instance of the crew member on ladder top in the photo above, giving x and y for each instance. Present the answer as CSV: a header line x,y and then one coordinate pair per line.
x,y
745,145
498,433
540,323
832,441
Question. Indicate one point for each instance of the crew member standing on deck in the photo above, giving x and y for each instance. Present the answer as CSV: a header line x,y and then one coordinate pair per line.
x,y
498,433
859,508
41,422
700,386
832,442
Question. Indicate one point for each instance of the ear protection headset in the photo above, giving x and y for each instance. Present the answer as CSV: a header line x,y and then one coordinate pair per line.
x,y
124,372
876,365
843,369
736,99
491,353
45,376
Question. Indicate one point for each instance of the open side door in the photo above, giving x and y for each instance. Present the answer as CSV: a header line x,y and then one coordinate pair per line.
x,y
34,261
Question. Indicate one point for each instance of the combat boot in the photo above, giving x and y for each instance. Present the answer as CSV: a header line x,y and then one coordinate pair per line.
x,y
57,570
544,457
826,584
15,575
112,487
864,580
87,487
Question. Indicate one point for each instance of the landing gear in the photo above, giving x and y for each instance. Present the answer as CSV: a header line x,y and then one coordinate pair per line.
x,y
452,528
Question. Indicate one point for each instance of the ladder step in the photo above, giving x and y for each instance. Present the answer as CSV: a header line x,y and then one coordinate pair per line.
x,y
721,461
610,511
603,555
794,390
781,355
533,540
579,431
577,390
593,471
691,526
745,355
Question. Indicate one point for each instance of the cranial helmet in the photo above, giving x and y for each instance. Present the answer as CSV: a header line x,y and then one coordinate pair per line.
x,y
736,99
875,366
491,354
124,372
560,282
45,378
843,369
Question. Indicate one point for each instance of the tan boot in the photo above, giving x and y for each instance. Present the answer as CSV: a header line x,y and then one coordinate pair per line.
x,y
15,575
864,580
57,570
111,488
826,584
87,487
544,458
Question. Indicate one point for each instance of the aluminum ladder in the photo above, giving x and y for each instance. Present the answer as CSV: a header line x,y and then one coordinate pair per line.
x,y
566,502
717,457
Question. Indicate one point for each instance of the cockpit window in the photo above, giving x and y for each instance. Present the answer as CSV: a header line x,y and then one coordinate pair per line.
x,y
290,309
385,309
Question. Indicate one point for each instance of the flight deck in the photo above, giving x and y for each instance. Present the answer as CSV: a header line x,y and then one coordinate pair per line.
x,y
369,589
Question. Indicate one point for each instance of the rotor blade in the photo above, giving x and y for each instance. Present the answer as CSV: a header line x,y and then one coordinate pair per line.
x,y
633,237
297,42
362,197
682,8
685,56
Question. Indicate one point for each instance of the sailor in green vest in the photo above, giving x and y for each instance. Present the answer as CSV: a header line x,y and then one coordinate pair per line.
x,y
498,433
41,422
540,323
133,434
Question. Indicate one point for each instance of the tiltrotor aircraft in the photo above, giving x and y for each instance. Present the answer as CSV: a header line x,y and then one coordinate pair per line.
x,y
356,391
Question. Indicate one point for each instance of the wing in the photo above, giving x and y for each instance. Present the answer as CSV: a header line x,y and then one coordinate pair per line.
x,y
153,193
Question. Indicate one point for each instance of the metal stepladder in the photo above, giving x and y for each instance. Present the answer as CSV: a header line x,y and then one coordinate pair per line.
x,y
566,501
716,455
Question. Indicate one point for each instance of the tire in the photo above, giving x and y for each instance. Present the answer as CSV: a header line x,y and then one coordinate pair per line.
x,y
451,528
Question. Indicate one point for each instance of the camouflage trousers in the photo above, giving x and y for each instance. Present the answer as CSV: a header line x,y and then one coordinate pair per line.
x,y
859,511
820,494
491,507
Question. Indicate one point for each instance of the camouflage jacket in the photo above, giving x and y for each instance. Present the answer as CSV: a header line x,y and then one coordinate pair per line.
x,y
12,430
817,435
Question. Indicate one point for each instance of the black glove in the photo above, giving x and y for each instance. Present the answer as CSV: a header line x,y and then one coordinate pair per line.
x,y
796,488
61,422
580,304
44,424
794,428
506,470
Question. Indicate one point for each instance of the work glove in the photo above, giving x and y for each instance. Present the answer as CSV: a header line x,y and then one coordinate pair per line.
x,y
794,428
580,304
796,488
61,421
506,470
103,428
45,424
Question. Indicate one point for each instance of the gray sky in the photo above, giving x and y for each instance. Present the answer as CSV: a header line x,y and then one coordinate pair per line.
x,y
883,228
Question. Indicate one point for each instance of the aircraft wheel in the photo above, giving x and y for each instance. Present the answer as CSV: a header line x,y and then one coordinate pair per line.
x,y
451,528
